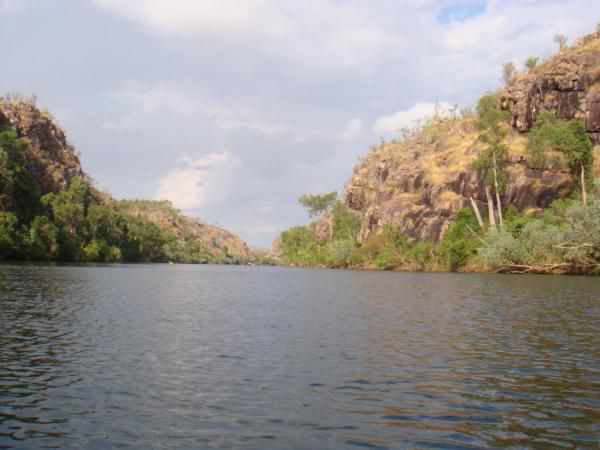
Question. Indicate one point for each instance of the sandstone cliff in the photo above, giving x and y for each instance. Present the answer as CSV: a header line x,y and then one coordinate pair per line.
x,y
418,185
216,240
51,159
568,84
53,163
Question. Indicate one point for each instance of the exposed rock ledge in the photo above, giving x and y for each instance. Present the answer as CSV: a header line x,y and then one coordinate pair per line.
x,y
421,197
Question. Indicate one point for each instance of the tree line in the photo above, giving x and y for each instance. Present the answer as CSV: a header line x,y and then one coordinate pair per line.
x,y
78,224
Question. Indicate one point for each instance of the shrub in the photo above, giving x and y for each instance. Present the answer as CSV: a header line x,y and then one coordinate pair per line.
x,y
40,240
340,250
561,40
459,243
531,62
509,71
8,233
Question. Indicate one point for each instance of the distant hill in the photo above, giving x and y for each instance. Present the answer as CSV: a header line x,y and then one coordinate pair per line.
x,y
50,210
411,203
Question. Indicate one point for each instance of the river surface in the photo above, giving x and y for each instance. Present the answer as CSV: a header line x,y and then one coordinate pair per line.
x,y
182,356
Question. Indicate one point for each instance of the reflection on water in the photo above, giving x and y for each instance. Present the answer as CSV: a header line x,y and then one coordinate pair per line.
x,y
250,357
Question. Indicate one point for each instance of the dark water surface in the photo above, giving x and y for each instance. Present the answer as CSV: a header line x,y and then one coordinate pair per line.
x,y
158,356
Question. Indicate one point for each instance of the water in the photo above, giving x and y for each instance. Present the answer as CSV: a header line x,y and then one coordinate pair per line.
x,y
159,356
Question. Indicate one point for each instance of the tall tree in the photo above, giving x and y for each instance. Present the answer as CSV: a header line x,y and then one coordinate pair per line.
x,y
319,206
550,133
491,123
561,40
509,71
531,62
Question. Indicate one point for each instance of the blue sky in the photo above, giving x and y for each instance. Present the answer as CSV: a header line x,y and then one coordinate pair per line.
x,y
233,109
460,11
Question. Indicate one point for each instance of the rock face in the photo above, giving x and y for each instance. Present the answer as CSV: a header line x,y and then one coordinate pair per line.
x,y
51,159
53,163
567,84
419,186
214,239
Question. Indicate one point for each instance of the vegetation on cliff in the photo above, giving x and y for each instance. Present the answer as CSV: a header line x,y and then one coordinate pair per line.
x,y
563,238
49,209
525,157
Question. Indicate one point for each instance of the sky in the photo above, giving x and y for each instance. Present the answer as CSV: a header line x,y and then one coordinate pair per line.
x,y
233,109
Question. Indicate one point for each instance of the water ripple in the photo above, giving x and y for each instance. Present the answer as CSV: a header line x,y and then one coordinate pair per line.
x,y
156,356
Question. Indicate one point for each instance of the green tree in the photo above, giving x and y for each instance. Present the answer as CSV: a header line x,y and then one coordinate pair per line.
x,y
491,123
103,222
145,241
319,206
8,234
460,242
41,239
299,247
561,40
18,191
69,208
346,223
531,62
548,132
509,71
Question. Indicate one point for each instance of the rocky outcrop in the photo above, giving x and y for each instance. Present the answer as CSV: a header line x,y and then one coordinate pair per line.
x,y
419,186
567,84
50,158
216,240
53,163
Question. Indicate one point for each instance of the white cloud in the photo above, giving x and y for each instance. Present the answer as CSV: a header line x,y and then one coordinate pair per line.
x,y
264,208
11,7
392,124
203,182
250,18
352,130
268,229
323,31
176,99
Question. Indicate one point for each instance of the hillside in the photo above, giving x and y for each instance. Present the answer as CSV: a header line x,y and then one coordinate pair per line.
x,y
568,84
521,150
216,240
50,210
420,184
50,159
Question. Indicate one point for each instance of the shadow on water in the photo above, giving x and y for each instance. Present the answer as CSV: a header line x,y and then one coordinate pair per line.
x,y
258,357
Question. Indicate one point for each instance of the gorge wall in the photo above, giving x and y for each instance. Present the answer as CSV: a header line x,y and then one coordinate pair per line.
x,y
53,162
418,185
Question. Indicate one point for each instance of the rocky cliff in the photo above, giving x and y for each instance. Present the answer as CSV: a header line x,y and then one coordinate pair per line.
x,y
50,158
53,163
568,84
418,185
216,240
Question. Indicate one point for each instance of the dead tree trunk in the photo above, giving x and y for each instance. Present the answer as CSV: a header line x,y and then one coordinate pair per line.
x,y
490,203
583,189
498,203
477,213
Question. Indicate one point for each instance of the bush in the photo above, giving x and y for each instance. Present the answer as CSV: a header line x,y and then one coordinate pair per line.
x,y
531,62
340,250
568,236
40,240
8,234
459,243
501,248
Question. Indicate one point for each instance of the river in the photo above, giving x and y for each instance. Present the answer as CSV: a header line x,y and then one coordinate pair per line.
x,y
183,356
